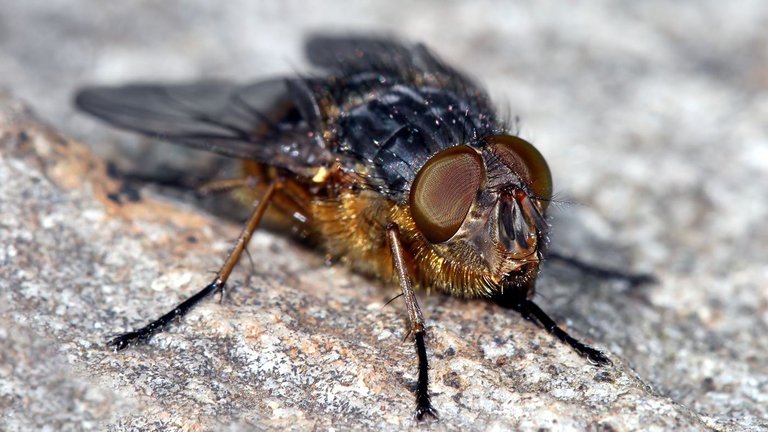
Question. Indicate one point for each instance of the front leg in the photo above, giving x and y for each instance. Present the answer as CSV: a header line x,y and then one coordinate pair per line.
x,y
531,311
423,404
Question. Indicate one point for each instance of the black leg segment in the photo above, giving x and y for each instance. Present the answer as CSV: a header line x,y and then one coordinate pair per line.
x,y
423,403
143,334
531,311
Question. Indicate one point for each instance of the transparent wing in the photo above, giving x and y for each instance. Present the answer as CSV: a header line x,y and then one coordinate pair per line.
x,y
268,121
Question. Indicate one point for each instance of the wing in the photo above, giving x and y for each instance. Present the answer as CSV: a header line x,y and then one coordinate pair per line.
x,y
350,55
269,121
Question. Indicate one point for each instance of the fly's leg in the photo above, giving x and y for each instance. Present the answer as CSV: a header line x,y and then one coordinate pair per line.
x,y
227,184
531,311
144,333
634,279
423,404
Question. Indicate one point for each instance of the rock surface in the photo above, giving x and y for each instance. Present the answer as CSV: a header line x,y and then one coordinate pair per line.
x,y
651,116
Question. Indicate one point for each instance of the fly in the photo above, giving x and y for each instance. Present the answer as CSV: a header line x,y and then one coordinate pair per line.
x,y
389,160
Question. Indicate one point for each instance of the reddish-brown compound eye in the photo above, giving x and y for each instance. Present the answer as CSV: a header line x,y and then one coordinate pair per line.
x,y
444,190
526,162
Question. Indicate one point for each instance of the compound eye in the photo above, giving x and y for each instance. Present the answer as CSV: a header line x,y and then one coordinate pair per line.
x,y
444,190
526,162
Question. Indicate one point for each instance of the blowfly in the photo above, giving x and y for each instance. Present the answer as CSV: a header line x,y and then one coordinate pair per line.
x,y
389,160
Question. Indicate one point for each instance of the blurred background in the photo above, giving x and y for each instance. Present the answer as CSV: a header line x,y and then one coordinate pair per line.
x,y
652,115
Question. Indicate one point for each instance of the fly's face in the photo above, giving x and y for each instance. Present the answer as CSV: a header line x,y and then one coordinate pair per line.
x,y
484,206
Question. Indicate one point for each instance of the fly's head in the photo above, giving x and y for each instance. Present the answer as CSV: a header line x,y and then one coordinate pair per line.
x,y
484,207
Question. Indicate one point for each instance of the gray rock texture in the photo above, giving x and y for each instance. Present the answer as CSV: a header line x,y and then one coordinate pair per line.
x,y
652,115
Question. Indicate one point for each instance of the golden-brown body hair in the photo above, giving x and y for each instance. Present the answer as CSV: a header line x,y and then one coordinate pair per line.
x,y
349,223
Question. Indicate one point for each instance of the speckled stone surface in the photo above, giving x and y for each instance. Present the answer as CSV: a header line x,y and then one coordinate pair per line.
x,y
653,118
